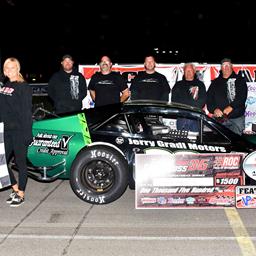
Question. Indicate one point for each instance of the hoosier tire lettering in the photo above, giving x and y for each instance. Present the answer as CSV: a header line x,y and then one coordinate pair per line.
x,y
98,153
99,200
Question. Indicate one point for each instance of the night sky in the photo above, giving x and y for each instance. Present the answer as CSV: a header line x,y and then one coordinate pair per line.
x,y
39,32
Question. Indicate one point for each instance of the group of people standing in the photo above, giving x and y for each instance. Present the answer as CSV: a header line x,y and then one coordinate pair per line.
x,y
67,88
105,86
225,98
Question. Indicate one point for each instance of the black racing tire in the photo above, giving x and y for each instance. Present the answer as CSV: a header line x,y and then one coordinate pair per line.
x,y
99,174
131,182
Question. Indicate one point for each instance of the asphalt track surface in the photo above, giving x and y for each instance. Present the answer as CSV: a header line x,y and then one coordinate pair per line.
x,y
53,221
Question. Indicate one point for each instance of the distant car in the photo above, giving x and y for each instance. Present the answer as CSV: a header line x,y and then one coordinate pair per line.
x,y
95,148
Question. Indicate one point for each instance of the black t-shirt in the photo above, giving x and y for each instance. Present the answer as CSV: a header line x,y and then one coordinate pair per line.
x,y
107,88
150,87
192,93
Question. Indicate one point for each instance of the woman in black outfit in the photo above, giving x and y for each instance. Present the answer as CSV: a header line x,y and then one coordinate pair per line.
x,y
16,114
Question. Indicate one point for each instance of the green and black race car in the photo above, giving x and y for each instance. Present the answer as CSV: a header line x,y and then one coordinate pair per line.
x,y
95,149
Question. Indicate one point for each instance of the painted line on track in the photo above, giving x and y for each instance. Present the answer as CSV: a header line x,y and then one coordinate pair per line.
x,y
243,238
136,238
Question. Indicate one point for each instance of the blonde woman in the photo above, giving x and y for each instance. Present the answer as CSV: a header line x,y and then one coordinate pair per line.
x,y
16,113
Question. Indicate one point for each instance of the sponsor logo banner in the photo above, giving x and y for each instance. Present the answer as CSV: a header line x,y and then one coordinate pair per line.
x,y
246,196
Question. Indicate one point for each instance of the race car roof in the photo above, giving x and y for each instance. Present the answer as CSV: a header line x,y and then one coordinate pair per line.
x,y
100,114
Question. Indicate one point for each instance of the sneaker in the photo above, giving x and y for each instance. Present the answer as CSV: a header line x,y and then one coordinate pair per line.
x,y
11,196
17,201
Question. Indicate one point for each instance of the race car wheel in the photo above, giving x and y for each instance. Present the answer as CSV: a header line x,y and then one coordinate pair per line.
x,y
99,175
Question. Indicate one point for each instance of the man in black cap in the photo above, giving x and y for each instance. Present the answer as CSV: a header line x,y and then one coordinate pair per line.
x,y
226,98
67,88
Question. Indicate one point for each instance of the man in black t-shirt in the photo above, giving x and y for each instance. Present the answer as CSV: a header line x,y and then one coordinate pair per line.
x,y
107,87
149,84
189,91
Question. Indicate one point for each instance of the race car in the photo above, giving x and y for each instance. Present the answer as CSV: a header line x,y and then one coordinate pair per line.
x,y
95,148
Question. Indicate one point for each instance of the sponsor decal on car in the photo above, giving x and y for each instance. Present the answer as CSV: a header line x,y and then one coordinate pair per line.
x,y
177,145
51,144
119,140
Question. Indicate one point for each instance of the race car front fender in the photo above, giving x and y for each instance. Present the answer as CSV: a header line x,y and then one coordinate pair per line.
x,y
107,144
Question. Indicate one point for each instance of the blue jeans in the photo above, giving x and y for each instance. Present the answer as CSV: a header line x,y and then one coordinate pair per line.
x,y
187,125
237,125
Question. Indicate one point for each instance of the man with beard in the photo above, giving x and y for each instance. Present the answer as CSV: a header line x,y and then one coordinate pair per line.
x,y
106,86
226,98
67,87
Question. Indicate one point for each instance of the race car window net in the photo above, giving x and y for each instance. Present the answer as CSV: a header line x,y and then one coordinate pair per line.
x,y
166,127
117,123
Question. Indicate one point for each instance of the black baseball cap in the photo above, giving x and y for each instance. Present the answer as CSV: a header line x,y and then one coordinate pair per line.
x,y
67,56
